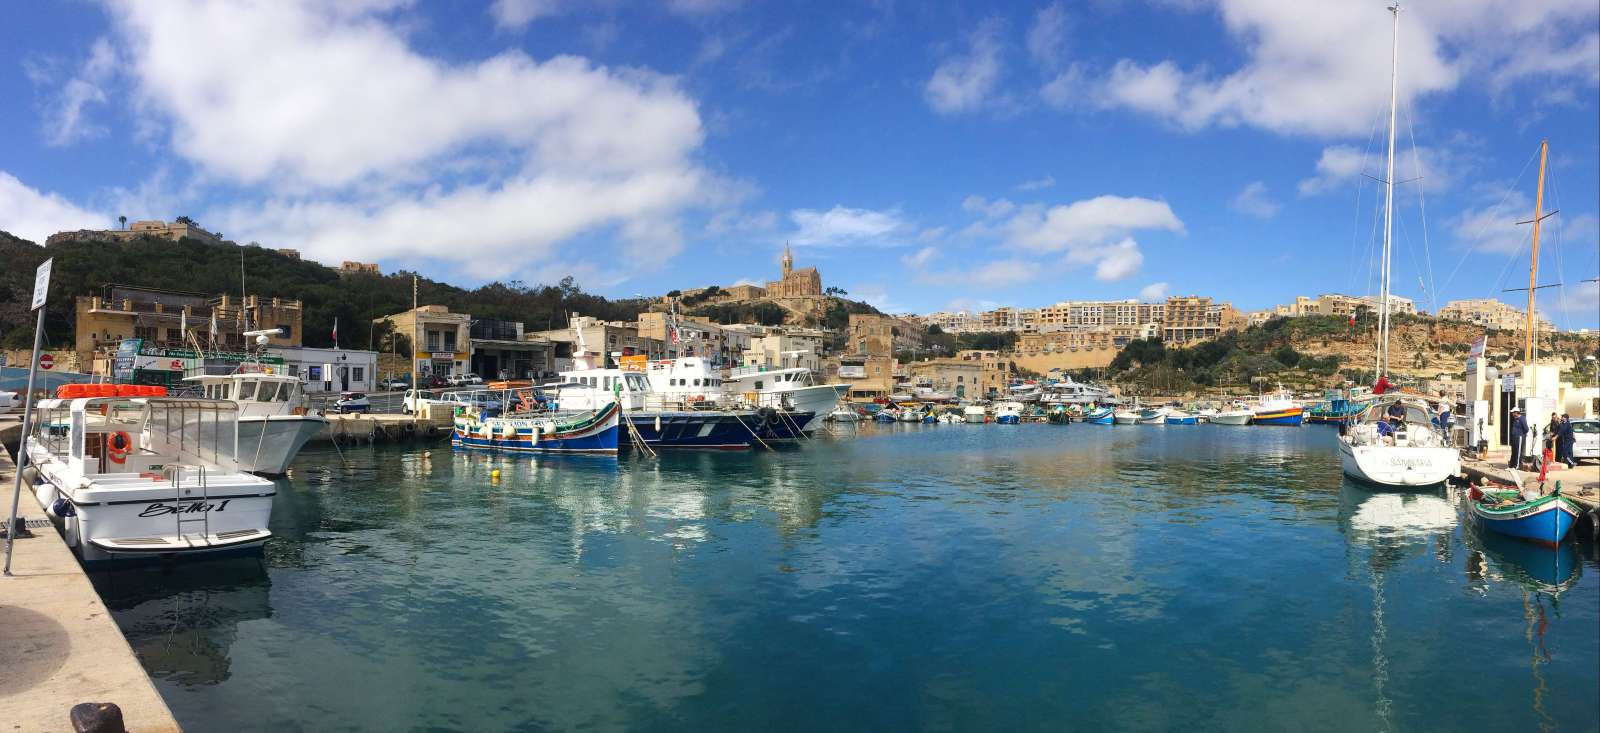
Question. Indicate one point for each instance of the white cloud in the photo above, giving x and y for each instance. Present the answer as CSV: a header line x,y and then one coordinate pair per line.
x,y
1047,38
1253,200
920,258
1322,68
33,215
1092,231
1337,165
1070,89
1494,228
989,209
1037,184
66,119
1154,292
360,146
701,7
519,13
738,222
965,83
1582,298
841,225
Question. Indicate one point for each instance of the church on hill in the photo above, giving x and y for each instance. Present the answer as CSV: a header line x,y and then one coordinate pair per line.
x,y
805,282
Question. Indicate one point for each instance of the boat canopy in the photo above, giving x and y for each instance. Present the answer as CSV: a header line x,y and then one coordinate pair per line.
x,y
188,430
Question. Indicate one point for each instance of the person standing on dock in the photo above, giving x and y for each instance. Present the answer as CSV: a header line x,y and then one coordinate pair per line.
x,y
1565,440
1519,436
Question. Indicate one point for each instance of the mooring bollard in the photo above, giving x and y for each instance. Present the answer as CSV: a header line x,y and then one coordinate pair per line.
x,y
97,717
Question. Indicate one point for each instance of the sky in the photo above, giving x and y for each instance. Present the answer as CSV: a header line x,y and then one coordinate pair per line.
x,y
924,156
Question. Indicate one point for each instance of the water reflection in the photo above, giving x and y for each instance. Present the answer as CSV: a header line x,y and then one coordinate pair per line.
x,y
183,619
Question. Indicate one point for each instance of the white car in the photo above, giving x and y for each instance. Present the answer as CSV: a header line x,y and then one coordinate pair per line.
x,y
419,400
352,402
463,380
8,400
1586,438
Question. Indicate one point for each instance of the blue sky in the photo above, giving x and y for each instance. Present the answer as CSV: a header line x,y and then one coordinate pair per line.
x,y
924,156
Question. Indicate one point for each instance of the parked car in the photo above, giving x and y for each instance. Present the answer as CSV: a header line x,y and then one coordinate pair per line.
x,y
352,402
415,399
394,383
435,382
8,400
1586,434
464,380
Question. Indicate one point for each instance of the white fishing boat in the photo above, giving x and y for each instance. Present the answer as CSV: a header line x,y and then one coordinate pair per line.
x,y
1008,413
1235,415
951,418
1069,392
126,474
1154,416
1125,417
844,414
275,419
911,414
788,388
1408,451
974,414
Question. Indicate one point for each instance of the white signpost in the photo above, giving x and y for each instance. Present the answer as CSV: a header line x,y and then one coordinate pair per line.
x,y
41,289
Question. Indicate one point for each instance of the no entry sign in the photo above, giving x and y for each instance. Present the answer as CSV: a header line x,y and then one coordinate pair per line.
x,y
46,361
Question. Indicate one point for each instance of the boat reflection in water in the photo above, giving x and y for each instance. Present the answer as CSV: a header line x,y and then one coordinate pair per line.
x,y
1535,567
182,619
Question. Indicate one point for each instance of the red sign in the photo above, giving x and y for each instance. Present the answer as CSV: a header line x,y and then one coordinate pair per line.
x,y
177,364
46,361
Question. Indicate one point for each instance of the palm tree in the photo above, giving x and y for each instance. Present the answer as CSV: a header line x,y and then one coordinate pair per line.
x,y
123,220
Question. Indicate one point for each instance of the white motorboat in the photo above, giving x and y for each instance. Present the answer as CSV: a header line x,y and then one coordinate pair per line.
x,y
974,414
1125,417
1231,416
145,476
911,414
1008,413
844,414
789,388
951,418
1410,452
275,419
1156,416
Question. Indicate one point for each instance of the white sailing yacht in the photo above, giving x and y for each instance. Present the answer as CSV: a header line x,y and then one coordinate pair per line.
x,y
1408,451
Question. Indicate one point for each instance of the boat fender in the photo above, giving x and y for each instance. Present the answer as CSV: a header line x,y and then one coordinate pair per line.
x,y
62,508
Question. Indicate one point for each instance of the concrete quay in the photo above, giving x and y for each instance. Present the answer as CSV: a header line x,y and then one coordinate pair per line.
x,y
59,645
373,427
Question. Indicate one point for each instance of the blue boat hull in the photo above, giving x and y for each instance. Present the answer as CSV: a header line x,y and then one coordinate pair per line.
x,y
714,430
1547,523
1008,420
604,441
1278,418
595,434
1106,419
1183,421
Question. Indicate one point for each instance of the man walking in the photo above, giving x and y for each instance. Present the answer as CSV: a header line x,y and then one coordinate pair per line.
x,y
1519,436
1565,440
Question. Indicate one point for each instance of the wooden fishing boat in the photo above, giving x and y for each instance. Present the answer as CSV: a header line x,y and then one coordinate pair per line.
x,y
593,431
1545,520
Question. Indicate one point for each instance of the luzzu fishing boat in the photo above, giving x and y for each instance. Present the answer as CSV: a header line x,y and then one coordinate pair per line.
x,y
592,431
1100,416
1545,520
1277,408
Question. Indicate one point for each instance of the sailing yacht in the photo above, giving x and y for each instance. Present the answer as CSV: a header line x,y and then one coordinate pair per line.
x,y
1411,452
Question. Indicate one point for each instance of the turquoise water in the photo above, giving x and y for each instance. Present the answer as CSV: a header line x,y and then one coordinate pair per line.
x,y
898,577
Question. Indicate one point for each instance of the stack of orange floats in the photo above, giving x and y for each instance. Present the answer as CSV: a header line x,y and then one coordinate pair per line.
x,y
75,391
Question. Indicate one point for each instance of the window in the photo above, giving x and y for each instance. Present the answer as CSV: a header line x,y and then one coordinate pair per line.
x,y
696,382
247,390
174,334
357,373
284,391
759,385
314,373
450,341
268,391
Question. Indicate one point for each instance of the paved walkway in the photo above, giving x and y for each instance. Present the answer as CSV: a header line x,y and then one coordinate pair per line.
x,y
58,644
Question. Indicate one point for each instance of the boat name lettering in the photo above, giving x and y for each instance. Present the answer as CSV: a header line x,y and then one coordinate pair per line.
x,y
1411,462
158,509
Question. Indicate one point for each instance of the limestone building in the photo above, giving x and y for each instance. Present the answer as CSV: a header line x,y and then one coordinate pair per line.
x,y
802,283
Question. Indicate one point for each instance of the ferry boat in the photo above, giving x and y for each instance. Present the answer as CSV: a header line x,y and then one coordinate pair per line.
x,y
528,428
275,419
1277,408
788,388
127,472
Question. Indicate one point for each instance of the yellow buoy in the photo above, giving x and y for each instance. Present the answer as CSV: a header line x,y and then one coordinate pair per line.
x,y
495,474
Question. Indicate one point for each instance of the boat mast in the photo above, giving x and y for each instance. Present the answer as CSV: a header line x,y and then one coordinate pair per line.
x,y
1532,341
1388,198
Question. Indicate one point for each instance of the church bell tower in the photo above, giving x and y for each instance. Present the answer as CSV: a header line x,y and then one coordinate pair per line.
x,y
788,261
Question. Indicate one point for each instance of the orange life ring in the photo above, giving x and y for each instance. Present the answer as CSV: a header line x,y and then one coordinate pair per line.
x,y
118,446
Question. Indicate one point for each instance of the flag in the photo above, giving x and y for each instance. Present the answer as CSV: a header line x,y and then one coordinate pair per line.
x,y
335,332
674,334
1352,318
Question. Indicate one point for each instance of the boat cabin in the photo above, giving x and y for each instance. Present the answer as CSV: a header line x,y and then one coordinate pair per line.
x,y
257,394
108,436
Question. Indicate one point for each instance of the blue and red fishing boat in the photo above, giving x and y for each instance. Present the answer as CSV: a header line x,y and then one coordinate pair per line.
x,y
1277,408
1545,520
592,431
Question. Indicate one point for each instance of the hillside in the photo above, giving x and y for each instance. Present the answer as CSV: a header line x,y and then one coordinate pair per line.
x,y
1314,352
84,267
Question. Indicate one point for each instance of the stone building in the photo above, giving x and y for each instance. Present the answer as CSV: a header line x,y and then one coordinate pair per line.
x,y
440,340
153,228
802,283
1491,313
359,268
177,320
958,378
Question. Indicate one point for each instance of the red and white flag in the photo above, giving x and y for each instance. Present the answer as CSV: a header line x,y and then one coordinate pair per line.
x,y
335,332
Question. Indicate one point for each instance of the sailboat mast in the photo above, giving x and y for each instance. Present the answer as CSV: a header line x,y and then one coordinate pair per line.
x,y
1388,197
1533,265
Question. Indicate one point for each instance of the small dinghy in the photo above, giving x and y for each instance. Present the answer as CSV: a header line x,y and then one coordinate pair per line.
x,y
1546,519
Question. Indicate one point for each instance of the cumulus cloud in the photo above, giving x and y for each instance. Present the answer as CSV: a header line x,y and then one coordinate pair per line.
x,y
1093,231
966,82
1435,168
1337,165
841,225
34,215
519,13
360,145
921,258
1154,292
1321,68
1254,201
1493,227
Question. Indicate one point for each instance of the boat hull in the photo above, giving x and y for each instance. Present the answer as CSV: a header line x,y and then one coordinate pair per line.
x,y
597,433
1008,419
1399,467
1189,420
1546,520
1230,418
1125,418
714,429
1292,417
267,445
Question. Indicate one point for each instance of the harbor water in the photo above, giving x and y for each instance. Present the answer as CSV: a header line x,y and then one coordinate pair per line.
x,y
890,577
